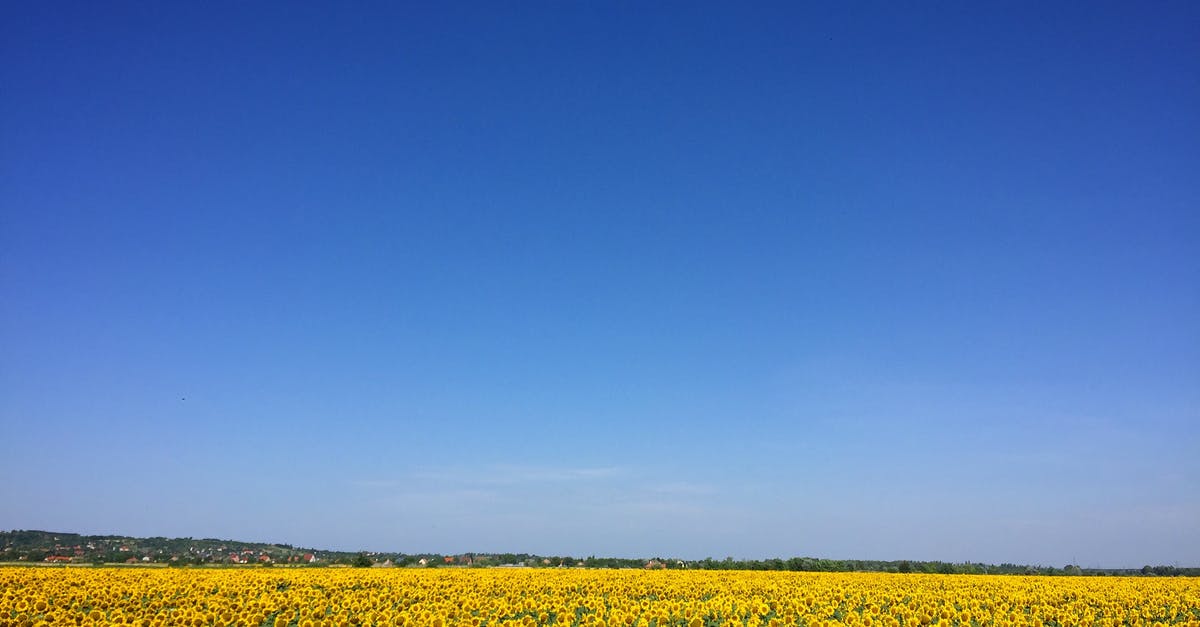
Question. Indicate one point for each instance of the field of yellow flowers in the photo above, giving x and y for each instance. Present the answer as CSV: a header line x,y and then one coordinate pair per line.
x,y
579,598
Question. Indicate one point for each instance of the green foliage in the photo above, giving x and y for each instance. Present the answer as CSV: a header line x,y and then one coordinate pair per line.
x,y
31,546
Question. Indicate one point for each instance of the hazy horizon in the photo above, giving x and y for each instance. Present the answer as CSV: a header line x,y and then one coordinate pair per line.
x,y
586,555
861,281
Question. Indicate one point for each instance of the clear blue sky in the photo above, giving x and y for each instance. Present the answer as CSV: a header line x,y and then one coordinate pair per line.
x,y
849,280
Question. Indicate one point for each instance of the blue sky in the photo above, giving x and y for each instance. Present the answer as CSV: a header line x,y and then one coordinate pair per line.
x,y
848,280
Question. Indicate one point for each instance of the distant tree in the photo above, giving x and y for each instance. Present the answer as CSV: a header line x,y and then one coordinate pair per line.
x,y
361,561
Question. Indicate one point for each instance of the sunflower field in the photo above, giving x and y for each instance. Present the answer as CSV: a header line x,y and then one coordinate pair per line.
x,y
579,598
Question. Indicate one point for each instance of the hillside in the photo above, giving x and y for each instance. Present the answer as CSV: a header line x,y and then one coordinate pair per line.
x,y
37,546
33,546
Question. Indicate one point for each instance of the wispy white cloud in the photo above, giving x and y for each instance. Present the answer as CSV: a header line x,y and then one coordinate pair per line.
x,y
377,484
494,476
588,501
506,474
681,488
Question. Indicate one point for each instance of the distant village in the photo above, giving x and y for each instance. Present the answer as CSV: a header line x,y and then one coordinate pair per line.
x,y
67,548
50,547
46,548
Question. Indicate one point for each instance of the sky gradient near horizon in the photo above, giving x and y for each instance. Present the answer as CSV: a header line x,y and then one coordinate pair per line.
x,y
846,280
